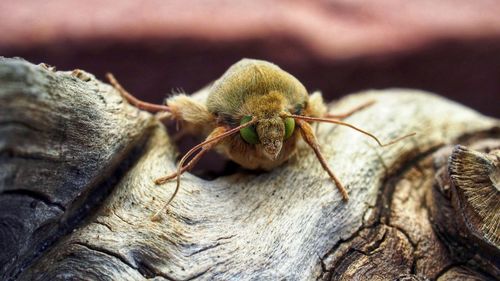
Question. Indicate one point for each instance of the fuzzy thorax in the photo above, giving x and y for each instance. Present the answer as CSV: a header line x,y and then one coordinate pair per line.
x,y
264,106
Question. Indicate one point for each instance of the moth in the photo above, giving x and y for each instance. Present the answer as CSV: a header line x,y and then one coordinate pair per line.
x,y
255,115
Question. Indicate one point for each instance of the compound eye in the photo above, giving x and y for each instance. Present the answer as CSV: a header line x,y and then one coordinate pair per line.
x,y
289,127
249,134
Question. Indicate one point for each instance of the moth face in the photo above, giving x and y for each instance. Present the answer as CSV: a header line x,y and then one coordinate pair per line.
x,y
270,133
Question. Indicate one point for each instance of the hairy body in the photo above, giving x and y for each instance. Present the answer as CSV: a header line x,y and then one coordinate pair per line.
x,y
266,93
254,114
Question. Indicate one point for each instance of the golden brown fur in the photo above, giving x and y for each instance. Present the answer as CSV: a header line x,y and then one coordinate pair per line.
x,y
267,92
245,115
253,78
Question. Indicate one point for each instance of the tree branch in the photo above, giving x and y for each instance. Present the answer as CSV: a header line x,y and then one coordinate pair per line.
x,y
93,158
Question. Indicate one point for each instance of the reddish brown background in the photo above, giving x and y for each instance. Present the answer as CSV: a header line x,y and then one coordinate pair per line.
x,y
449,47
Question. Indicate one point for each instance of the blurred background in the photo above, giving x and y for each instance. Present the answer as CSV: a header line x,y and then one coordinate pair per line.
x,y
451,47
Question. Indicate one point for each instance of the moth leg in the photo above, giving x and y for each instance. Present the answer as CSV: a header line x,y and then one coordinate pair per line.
x,y
204,149
308,135
151,107
194,115
184,168
212,140
351,112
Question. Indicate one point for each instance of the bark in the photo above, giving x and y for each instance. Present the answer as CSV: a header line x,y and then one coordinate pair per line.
x,y
77,165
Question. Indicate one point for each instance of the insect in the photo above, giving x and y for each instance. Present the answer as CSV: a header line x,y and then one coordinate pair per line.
x,y
254,114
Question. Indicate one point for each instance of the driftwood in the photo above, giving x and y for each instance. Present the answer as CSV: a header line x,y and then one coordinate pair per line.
x,y
77,165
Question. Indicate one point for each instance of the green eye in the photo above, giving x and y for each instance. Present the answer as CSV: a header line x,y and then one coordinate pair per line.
x,y
248,134
289,127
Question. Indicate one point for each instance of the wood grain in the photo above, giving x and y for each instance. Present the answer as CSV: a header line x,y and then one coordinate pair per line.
x,y
77,170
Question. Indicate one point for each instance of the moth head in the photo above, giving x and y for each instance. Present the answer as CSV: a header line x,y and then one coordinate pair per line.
x,y
270,133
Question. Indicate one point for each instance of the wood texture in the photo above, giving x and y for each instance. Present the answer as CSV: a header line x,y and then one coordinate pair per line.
x,y
77,168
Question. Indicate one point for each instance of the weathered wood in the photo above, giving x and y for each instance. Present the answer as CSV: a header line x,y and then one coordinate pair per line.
x,y
63,140
72,136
